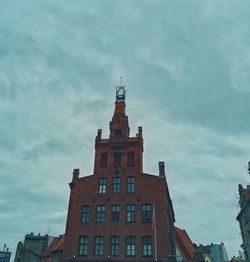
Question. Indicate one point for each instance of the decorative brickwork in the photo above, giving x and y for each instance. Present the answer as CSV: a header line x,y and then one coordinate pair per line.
x,y
112,210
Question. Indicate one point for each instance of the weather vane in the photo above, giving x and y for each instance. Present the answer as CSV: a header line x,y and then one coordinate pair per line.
x,y
120,91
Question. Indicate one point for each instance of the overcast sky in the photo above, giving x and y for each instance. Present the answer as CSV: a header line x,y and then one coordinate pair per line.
x,y
186,66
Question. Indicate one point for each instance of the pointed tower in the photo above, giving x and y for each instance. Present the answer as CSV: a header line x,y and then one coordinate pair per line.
x,y
119,124
120,150
119,213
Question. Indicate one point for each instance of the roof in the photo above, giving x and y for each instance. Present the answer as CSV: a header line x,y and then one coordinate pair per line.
x,y
167,192
56,245
237,260
35,237
184,244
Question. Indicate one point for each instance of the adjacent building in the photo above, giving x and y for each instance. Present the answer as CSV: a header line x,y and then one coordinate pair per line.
x,y
202,253
244,217
5,254
211,253
32,248
119,213
218,252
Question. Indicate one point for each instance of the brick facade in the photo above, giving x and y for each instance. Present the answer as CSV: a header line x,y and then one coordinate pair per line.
x,y
118,179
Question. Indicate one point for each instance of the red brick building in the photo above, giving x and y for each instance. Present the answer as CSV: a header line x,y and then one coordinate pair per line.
x,y
119,213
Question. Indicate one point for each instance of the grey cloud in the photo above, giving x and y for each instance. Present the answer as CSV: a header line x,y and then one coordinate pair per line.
x,y
184,64
50,147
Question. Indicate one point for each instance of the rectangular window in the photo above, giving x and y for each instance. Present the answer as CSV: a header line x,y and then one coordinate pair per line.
x,y
100,213
130,213
147,246
117,159
83,247
130,246
104,160
131,184
118,132
116,184
99,246
102,185
146,213
114,247
85,214
131,159
115,213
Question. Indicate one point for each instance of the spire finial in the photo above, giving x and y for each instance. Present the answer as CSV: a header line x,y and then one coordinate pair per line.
x,y
120,91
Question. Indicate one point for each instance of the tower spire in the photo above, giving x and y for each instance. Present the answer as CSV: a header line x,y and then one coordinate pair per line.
x,y
120,91
119,124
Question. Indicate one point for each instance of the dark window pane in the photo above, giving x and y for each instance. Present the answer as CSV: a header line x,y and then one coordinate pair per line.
x,y
117,159
100,213
99,240
104,160
83,246
130,246
146,213
116,185
114,247
118,132
115,213
130,213
131,184
102,185
147,246
131,159
85,214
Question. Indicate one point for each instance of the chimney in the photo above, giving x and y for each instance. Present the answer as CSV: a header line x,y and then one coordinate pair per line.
x,y
249,167
76,173
139,134
162,170
99,134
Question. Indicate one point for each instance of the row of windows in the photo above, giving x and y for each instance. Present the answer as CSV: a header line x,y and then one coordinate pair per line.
x,y
117,159
146,213
116,185
114,245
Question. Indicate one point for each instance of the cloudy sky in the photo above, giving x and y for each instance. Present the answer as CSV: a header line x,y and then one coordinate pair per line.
x,y
186,67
